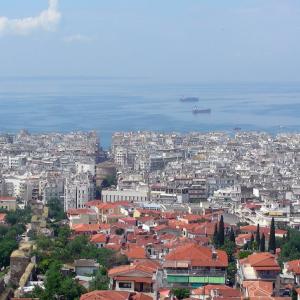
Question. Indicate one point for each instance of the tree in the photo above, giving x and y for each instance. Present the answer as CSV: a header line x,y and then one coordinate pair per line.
x,y
262,246
257,236
231,273
6,248
244,254
232,235
252,239
120,231
56,209
216,235
101,281
58,286
180,293
272,239
221,235
109,181
294,294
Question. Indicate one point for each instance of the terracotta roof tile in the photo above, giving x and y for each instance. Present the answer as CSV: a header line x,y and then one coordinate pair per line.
x,y
198,255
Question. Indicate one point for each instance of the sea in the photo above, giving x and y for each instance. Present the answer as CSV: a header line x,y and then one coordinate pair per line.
x,y
110,104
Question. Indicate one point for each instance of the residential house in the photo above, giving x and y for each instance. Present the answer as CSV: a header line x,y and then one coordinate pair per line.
x,y
293,268
216,292
82,216
258,267
100,240
190,265
86,267
138,277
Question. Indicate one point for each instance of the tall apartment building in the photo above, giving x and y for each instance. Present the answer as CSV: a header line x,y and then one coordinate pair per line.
x,y
78,190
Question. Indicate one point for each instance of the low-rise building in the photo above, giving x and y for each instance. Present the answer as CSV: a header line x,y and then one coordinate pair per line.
x,y
190,266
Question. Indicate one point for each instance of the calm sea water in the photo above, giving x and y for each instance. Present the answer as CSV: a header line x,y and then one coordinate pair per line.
x,y
108,105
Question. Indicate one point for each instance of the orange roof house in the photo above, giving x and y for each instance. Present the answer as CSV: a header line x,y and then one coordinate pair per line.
x,y
207,266
258,266
136,277
214,291
99,239
293,267
256,289
198,256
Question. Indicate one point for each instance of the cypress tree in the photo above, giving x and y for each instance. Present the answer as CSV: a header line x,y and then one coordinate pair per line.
x,y
232,235
252,241
257,236
262,246
272,240
216,235
288,235
221,235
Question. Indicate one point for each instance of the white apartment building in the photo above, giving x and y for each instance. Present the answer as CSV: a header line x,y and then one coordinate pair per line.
x,y
78,191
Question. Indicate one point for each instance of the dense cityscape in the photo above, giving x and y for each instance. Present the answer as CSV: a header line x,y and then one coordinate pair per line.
x,y
157,216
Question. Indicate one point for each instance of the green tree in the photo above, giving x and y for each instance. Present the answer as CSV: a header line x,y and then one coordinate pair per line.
x,y
272,239
257,236
109,181
251,241
120,231
231,273
58,286
180,293
232,235
244,254
221,235
262,246
216,236
56,209
101,281
294,295
7,246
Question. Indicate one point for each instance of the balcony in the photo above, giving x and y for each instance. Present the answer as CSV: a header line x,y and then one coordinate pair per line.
x,y
200,273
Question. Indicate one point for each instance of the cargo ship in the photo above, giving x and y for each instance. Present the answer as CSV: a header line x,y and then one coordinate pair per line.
x,y
197,110
189,99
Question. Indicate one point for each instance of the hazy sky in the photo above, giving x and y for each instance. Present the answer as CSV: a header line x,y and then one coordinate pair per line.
x,y
198,40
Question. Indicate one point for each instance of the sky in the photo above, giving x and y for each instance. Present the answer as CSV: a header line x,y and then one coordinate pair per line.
x,y
173,40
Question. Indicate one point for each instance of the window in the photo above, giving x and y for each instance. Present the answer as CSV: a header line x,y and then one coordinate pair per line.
x,y
125,285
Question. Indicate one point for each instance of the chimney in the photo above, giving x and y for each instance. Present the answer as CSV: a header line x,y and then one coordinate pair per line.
x,y
214,254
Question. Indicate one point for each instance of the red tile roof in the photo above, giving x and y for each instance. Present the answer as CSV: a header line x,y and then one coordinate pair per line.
x,y
98,238
198,256
81,228
92,203
146,266
258,288
223,291
81,211
294,266
7,198
262,261
114,295
135,252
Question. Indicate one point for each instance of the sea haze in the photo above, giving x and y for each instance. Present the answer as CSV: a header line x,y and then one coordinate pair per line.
x,y
115,104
